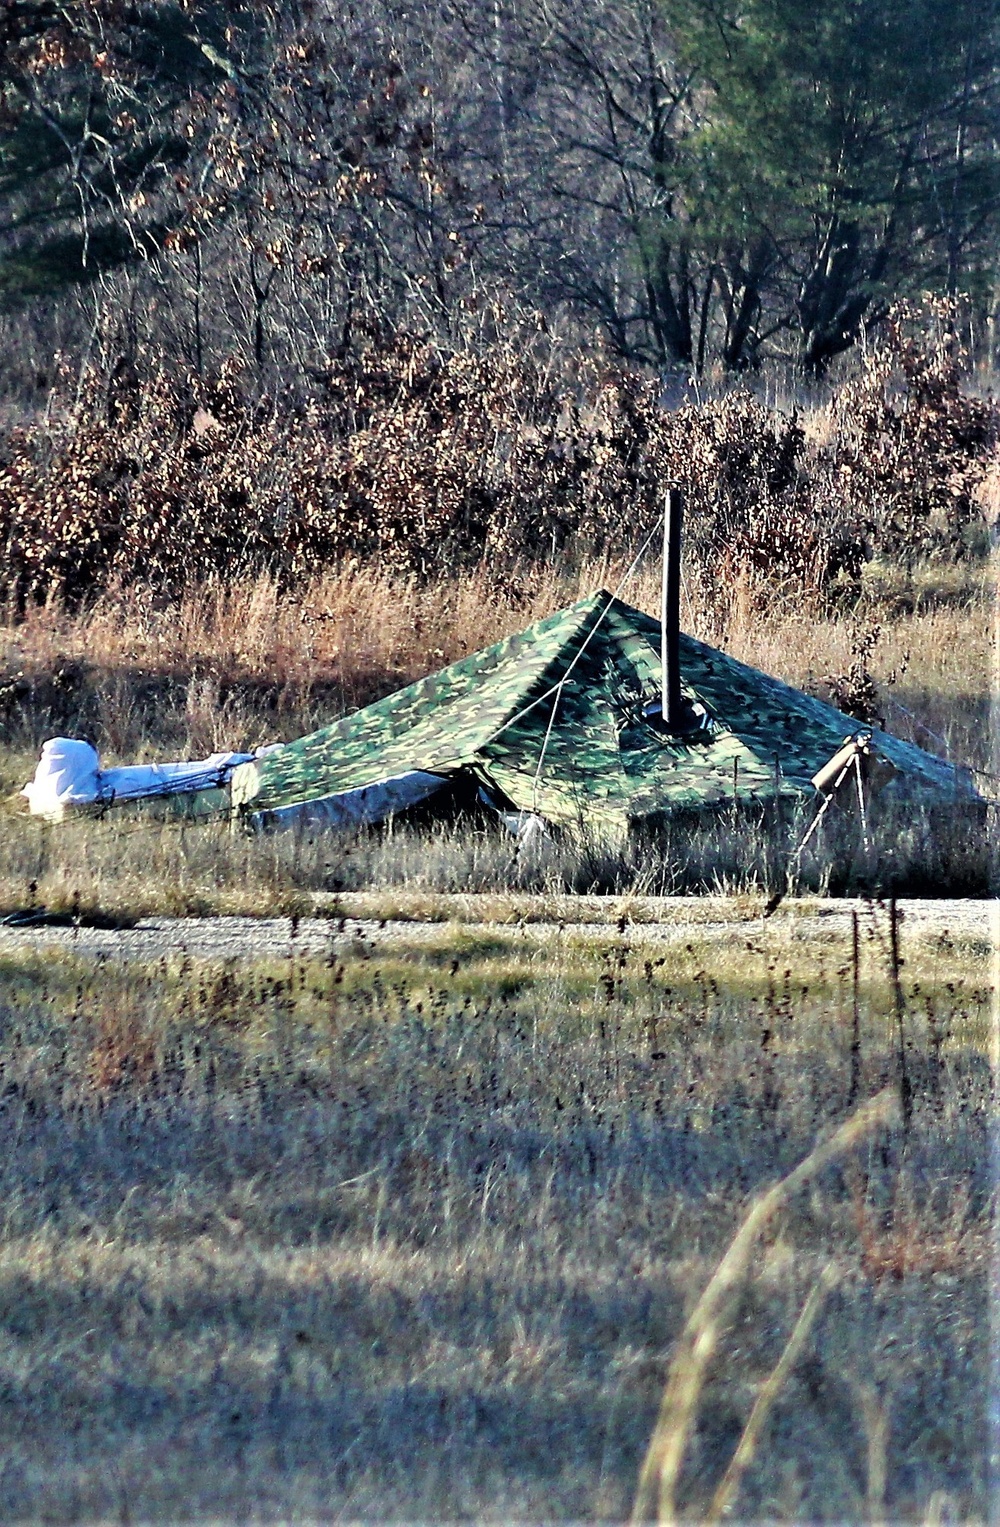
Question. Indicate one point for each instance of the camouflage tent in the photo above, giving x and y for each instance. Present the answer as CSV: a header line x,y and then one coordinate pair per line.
x,y
562,720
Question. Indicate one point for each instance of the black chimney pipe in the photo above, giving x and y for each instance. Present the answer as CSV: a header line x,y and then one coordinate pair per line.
x,y
670,614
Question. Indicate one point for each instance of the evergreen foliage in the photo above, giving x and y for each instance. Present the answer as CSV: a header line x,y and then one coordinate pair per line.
x,y
827,156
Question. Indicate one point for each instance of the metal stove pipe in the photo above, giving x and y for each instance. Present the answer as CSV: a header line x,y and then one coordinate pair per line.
x,y
670,613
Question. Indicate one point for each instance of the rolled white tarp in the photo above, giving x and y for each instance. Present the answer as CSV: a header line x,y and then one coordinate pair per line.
x,y
69,774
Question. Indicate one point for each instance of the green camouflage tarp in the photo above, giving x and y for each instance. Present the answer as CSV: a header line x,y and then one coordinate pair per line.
x,y
556,719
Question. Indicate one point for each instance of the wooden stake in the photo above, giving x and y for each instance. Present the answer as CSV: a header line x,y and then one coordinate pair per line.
x,y
905,1085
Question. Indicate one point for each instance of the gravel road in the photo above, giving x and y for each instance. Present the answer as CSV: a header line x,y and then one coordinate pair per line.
x,y
243,938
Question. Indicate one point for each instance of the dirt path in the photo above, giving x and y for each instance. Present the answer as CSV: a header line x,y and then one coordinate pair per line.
x,y
243,938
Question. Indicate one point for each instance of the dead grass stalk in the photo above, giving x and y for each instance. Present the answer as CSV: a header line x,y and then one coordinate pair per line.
x,y
725,1495
658,1479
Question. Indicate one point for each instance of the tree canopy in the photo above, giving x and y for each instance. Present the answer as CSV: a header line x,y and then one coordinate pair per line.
x,y
703,182
848,143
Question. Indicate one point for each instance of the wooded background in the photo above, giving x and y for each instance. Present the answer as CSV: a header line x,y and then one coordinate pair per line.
x,y
700,184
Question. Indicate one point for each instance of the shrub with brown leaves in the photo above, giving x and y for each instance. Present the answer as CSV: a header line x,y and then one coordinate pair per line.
x,y
428,461
912,447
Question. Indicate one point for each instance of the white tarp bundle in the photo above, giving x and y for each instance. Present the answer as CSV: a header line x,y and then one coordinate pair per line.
x,y
69,774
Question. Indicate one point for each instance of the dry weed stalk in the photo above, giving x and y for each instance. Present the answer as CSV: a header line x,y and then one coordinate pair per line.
x,y
656,1495
725,1494
875,1414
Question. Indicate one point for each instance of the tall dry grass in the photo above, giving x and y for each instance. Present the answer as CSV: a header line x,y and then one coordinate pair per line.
x,y
126,866
237,664
660,1474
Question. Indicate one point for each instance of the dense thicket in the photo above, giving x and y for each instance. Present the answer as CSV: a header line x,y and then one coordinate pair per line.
x,y
705,182
430,459
291,284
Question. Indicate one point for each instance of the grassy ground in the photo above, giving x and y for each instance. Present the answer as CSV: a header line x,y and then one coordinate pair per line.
x,y
410,1234
127,866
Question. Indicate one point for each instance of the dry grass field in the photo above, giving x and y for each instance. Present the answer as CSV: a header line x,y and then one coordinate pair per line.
x,y
411,1233
237,664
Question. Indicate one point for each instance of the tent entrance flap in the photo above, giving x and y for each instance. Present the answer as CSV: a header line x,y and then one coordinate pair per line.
x,y
364,806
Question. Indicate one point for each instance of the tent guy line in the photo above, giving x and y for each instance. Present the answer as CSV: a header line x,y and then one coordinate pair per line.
x,y
565,679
